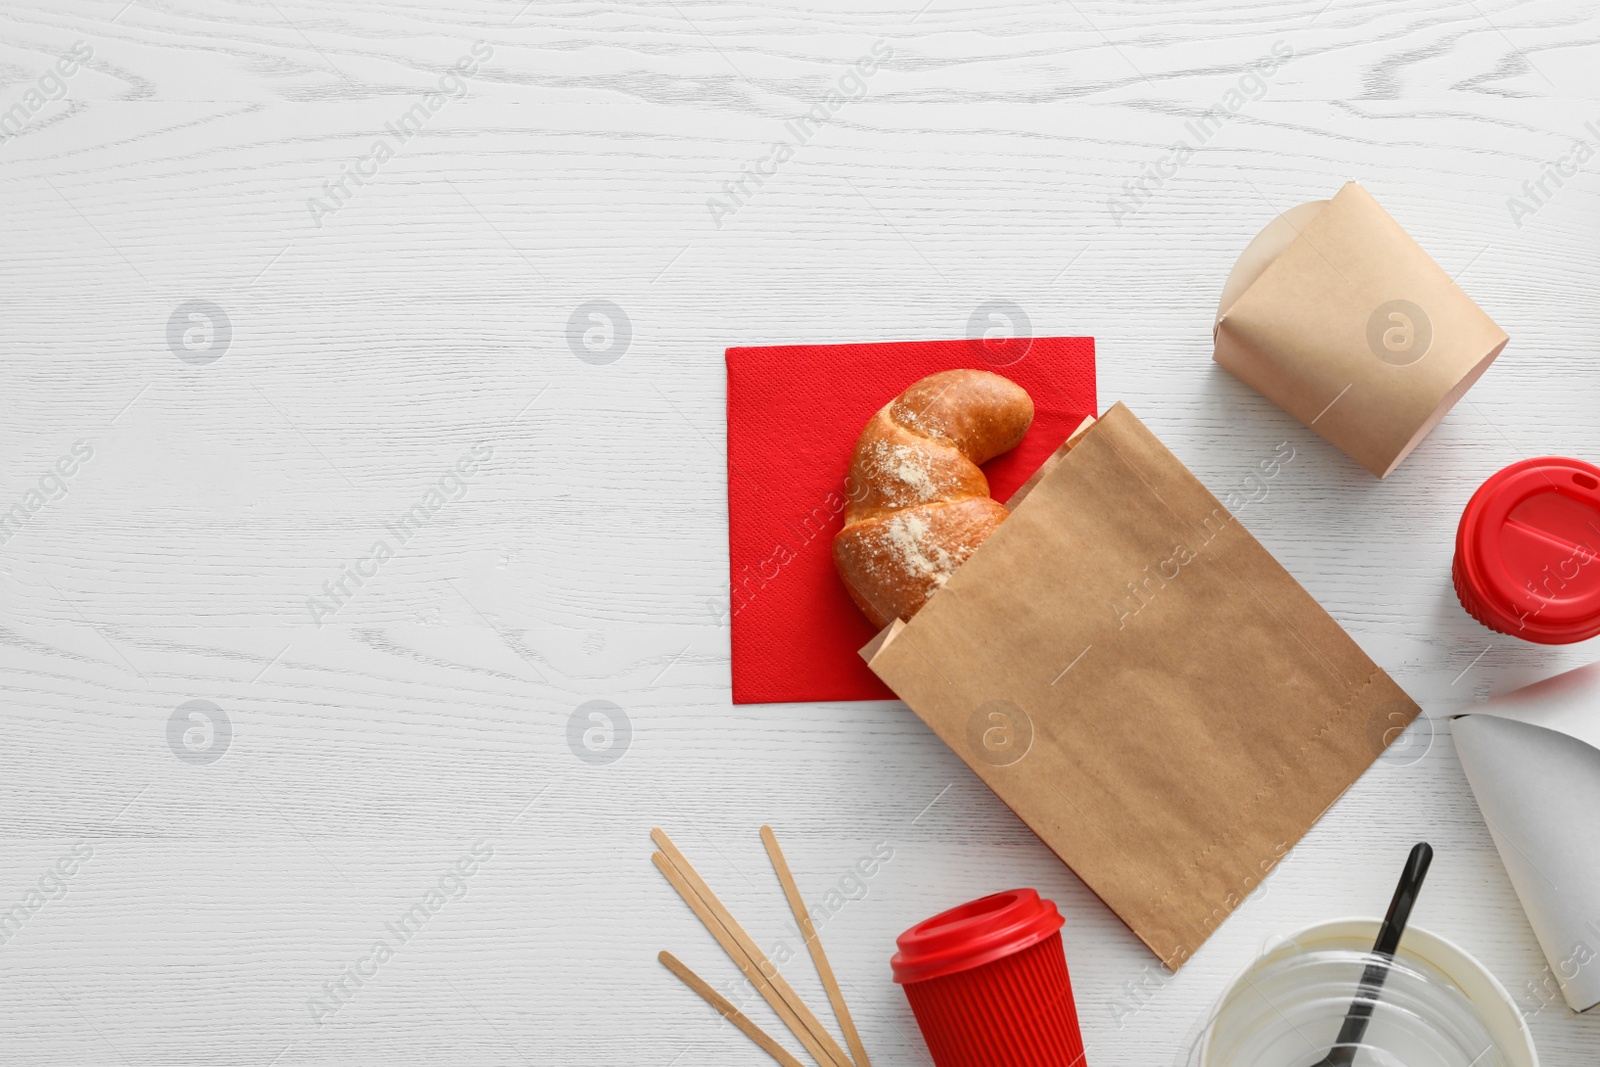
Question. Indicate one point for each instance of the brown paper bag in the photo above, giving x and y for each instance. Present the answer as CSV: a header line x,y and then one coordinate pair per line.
x,y
1143,684
1341,319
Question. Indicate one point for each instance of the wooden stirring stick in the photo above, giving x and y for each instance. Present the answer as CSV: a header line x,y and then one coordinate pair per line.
x,y
811,1032
742,961
814,945
728,1011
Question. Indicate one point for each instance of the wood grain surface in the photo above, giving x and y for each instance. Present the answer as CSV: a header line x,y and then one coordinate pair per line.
x,y
419,346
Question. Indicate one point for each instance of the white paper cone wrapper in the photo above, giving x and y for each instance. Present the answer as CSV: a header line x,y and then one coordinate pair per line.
x,y
1532,757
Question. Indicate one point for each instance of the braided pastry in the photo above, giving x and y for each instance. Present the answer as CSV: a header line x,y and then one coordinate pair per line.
x,y
919,505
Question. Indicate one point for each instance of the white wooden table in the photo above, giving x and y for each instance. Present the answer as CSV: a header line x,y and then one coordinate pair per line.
x,y
422,312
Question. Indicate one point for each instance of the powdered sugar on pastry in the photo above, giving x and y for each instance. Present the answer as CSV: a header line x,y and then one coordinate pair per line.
x,y
904,473
916,552
910,466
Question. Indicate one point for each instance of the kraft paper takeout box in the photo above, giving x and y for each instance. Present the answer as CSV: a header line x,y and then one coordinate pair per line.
x,y
1143,684
1341,319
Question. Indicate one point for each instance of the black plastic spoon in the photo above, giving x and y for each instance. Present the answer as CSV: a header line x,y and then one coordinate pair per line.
x,y
1343,1053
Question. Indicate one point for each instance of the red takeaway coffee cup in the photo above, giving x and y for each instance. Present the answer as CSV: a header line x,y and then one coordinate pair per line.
x,y
988,984
1527,557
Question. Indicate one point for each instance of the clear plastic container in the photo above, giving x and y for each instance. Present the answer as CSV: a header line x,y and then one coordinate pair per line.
x,y
1438,1007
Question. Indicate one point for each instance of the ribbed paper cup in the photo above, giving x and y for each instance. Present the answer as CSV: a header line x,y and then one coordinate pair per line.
x,y
988,984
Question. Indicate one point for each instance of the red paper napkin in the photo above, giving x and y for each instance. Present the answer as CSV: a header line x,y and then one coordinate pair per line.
x,y
794,413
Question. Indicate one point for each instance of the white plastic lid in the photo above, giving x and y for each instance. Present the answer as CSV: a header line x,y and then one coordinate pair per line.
x,y
1287,1010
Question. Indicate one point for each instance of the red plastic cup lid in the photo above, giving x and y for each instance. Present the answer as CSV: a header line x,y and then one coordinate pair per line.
x,y
974,934
1529,549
